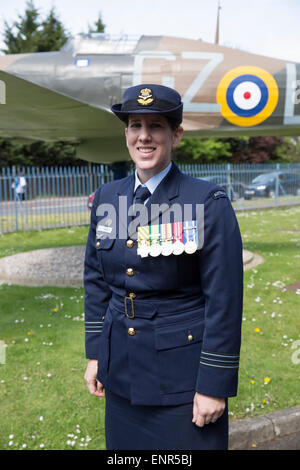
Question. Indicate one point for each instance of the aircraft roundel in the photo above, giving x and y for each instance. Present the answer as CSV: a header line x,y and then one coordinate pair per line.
x,y
247,95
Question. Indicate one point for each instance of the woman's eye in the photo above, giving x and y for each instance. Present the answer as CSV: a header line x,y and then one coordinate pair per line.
x,y
153,125
156,124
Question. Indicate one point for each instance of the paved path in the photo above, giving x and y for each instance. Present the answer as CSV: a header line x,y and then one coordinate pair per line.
x,y
62,267
291,442
278,430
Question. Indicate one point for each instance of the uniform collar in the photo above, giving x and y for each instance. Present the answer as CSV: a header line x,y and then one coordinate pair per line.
x,y
153,182
166,190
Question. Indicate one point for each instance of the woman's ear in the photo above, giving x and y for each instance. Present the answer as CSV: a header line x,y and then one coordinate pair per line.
x,y
177,136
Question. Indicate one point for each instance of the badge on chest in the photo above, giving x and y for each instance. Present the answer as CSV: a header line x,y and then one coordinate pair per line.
x,y
104,228
167,239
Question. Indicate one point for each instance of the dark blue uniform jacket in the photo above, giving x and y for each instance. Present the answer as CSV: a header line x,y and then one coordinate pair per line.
x,y
181,333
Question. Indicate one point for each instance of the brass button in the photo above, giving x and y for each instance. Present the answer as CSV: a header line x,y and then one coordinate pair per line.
x,y
129,271
132,295
103,318
190,337
129,243
97,244
131,331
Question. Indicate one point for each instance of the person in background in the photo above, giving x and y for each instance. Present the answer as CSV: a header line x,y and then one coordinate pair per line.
x,y
19,185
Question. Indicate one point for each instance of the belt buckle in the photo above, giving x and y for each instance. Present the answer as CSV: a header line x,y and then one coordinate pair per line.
x,y
130,297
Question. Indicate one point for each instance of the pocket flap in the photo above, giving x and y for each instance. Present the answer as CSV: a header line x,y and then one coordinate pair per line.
x,y
172,337
104,243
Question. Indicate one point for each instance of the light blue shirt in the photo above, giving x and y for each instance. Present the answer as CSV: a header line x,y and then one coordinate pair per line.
x,y
153,182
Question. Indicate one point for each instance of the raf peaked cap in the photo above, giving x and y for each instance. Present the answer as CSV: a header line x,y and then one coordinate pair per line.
x,y
150,98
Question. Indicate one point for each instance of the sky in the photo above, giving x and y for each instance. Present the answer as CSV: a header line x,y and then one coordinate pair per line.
x,y
266,27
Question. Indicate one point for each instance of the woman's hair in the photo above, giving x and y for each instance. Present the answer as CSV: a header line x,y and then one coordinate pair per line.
x,y
174,124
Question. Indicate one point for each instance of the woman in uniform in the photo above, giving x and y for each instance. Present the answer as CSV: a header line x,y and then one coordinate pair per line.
x,y
163,291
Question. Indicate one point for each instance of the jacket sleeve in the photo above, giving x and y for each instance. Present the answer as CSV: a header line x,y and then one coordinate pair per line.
x,y
221,273
97,291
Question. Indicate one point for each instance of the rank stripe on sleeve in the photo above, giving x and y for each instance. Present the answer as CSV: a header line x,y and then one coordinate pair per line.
x,y
225,361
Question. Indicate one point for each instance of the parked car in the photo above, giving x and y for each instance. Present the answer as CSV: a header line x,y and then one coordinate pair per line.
x,y
90,201
235,189
264,185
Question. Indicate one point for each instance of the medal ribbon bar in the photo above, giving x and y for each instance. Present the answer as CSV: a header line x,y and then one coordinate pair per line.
x,y
177,232
190,236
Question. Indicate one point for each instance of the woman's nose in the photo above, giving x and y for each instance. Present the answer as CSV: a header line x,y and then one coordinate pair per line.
x,y
145,134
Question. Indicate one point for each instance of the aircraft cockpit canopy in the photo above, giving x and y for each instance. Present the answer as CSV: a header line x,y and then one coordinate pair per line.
x,y
101,43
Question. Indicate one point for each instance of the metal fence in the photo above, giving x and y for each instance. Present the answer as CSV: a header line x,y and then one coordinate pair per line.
x,y
58,196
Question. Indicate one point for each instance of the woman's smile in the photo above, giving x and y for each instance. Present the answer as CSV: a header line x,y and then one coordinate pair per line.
x,y
146,150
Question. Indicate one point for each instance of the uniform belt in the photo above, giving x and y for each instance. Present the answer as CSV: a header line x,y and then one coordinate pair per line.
x,y
132,307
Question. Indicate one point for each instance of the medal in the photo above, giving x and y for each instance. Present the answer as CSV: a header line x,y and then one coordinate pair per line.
x,y
190,247
143,251
167,245
190,236
155,238
178,246
155,250
167,249
143,241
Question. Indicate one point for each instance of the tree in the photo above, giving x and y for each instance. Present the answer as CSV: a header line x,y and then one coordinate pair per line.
x,y
202,151
261,149
30,34
21,35
38,154
52,35
207,150
258,150
99,26
289,150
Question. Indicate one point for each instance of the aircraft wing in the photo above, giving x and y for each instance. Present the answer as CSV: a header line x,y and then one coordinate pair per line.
x,y
32,113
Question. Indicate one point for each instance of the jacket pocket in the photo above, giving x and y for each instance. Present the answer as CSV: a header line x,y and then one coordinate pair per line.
x,y
103,246
178,349
104,347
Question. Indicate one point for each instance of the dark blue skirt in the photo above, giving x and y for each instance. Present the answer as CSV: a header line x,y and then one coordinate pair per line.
x,y
134,427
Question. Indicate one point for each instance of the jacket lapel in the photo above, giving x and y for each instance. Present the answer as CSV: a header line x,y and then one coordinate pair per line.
x,y
122,201
160,201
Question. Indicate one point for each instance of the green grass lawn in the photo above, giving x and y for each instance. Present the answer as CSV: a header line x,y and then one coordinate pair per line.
x,y
269,377
29,221
259,202
44,400
17,242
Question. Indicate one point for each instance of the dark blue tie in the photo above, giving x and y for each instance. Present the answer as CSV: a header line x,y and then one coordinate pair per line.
x,y
142,193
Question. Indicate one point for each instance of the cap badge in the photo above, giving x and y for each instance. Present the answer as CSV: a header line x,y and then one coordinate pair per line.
x,y
145,97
